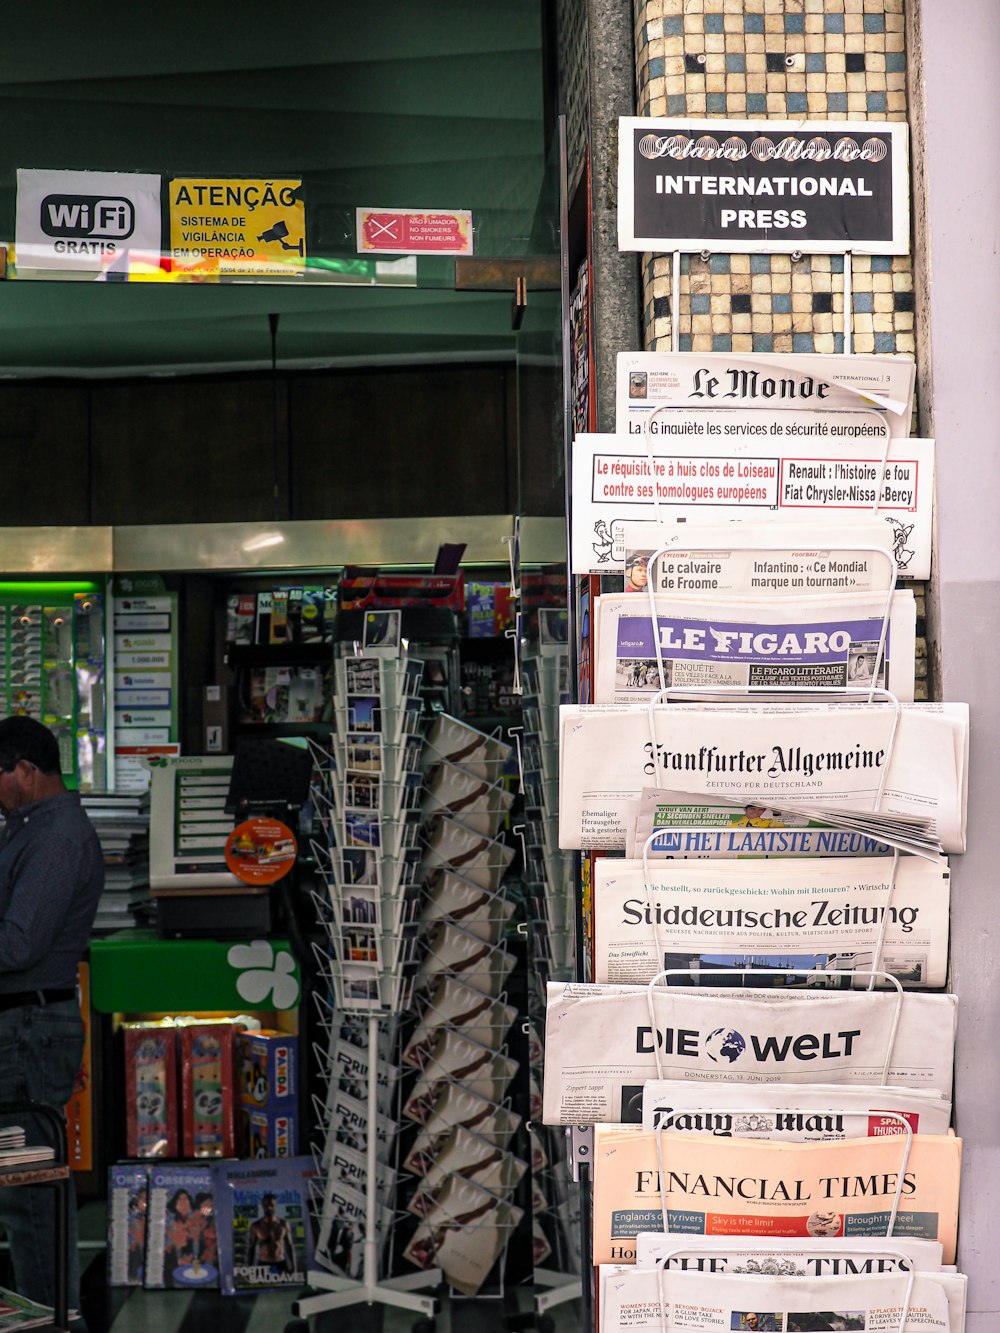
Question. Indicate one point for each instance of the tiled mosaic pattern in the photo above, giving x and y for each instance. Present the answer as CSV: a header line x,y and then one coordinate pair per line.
x,y
786,59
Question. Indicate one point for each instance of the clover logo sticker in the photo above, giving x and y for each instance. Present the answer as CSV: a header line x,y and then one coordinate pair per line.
x,y
264,973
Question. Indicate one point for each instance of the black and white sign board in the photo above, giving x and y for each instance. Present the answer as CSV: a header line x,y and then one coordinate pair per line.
x,y
774,186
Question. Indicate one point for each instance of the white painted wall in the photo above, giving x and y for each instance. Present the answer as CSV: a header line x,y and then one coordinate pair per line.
x,y
955,110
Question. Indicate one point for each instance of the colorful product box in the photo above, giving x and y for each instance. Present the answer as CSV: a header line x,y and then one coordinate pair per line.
x,y
267,1132
208,1101
267,1069
150,1090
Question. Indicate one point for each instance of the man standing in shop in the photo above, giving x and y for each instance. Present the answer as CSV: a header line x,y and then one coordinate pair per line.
x,y
51,877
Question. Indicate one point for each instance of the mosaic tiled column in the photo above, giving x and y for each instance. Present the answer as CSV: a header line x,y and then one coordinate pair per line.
x,y
788,60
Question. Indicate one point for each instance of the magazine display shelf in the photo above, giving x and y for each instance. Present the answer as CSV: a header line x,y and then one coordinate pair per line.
x,y
55,1176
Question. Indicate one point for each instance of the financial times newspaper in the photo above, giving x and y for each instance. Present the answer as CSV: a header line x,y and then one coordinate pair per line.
x,y
646,1300
645,1181
823,760
824,916
797,1112
701,827
805,1257
600,1046
762,645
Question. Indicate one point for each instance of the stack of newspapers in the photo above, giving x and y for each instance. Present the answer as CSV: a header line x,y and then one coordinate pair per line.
x,y
766,806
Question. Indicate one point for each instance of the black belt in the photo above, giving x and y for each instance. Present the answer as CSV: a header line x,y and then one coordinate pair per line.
x,y
19,998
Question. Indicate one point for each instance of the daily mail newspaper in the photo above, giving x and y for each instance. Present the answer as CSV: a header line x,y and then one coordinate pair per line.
x,y
701,827
600,1047
646,1300
672,393
797,1112
771,1256
739,1187
821,916
812,643
814,757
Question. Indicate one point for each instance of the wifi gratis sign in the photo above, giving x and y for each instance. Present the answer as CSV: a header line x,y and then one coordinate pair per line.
x,y
85,221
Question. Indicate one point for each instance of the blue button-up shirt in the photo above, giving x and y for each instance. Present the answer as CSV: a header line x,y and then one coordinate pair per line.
x,y
51,877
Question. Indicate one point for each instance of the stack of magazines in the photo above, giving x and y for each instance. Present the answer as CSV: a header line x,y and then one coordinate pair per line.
x,y
15,1151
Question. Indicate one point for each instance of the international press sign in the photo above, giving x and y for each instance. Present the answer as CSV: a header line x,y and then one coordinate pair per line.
x,y
774,186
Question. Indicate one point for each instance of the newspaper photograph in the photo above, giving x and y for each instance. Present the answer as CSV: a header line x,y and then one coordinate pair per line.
x,y
622,479
824,760
646,1300
771,1256
796,1112
716,1187
809,643
789,396
699,828
759,558
600,1047
829,915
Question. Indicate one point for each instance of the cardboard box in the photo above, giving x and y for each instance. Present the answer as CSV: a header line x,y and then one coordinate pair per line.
x,y
267,1069
268,1132
151,1111
208,1098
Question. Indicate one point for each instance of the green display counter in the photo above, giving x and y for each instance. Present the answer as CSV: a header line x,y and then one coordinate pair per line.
x,y
137,972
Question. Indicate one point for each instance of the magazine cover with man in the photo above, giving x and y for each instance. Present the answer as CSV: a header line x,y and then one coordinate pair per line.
x,y
265,1231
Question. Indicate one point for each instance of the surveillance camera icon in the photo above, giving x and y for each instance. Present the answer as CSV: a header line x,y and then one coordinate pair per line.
x,y
278,233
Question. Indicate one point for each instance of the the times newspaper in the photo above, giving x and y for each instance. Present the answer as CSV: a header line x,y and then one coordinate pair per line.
x,y
847,758
820,916
775,1257
796,1112
693,827
807,643
647,1181
649,1300
601,1045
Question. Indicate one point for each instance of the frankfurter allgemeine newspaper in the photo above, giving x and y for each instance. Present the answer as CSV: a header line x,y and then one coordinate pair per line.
x,y
820,916
647,1300
828,761
644,1181
601,1047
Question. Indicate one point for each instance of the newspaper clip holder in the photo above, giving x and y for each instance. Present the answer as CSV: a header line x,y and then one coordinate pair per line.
x,y
661,1266
770,972
879,943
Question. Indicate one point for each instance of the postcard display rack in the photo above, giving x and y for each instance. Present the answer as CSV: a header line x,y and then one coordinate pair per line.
x,y
416,1119
806,1159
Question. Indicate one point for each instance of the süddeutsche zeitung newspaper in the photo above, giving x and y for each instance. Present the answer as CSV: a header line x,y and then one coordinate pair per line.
x,y
819,916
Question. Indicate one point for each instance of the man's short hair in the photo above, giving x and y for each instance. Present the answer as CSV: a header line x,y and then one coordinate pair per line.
x,y
24,738
264,1198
